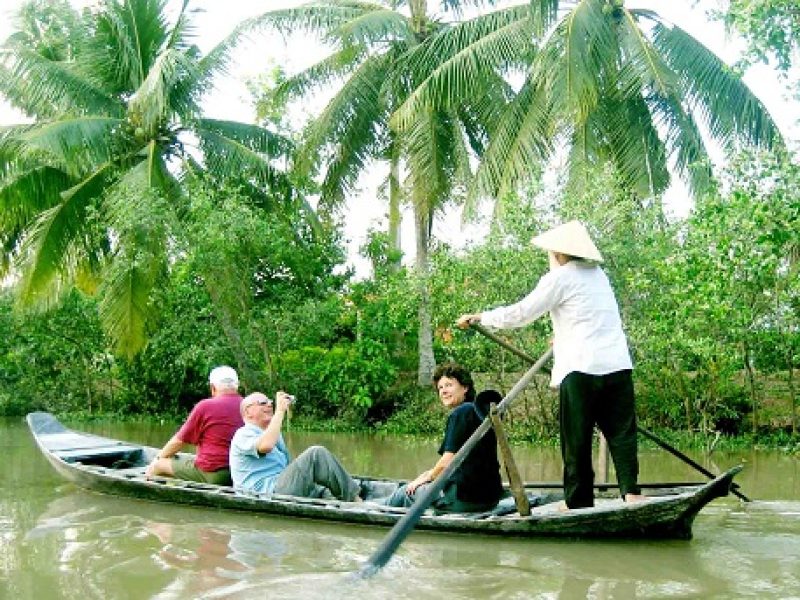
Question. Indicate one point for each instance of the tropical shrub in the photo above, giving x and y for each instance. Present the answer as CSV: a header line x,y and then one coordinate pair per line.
x,y
341,382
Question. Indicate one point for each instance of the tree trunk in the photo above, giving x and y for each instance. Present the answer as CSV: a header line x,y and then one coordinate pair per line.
x,y
394,251
752,384
792,393
427,362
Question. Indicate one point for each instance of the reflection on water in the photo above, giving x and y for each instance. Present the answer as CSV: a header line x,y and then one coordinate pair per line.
x,y
61,542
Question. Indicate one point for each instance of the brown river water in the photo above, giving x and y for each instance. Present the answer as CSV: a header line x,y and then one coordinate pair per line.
x,y
57,541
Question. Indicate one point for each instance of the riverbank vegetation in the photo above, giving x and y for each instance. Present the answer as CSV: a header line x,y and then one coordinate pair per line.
x,y
135,265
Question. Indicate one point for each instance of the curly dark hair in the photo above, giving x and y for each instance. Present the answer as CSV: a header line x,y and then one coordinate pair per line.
x,y
460,374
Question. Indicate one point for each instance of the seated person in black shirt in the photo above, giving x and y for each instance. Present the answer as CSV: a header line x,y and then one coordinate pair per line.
x,y
476,485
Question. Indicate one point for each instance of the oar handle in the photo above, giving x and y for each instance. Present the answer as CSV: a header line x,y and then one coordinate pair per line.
x,y
404,526
501,342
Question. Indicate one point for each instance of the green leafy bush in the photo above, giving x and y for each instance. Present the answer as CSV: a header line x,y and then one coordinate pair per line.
x,y
341,382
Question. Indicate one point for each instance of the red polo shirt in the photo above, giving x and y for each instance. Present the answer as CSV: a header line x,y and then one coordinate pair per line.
x,y
210,427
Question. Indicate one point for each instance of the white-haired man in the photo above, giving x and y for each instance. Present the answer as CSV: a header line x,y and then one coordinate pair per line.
x,y
210,426
260,461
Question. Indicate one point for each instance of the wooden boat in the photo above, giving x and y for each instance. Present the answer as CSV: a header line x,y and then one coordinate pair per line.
x,y
115,467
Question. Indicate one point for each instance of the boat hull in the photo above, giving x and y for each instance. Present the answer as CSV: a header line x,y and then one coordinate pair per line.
x,y
117,468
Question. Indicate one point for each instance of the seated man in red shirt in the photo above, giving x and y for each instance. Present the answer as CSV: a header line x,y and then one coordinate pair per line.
x,y
210,427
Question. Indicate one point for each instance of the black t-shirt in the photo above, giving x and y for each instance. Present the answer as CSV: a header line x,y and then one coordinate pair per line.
x,y
478,477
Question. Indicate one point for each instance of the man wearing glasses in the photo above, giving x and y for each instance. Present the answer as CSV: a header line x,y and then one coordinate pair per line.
x,y
260,461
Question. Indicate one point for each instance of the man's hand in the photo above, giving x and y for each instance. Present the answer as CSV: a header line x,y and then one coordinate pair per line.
x,y
464,321
150,470
283,401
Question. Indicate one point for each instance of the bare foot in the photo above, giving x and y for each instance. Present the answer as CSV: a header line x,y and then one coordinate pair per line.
x,y
562,507
632,498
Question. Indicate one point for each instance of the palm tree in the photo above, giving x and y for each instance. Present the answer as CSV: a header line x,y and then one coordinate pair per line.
x,y
606,83
372,46
91,193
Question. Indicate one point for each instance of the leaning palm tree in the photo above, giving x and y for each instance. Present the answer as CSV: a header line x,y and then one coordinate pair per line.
x,y
91,193
372,44
601,82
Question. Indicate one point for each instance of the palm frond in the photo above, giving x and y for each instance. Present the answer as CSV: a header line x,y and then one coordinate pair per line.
x,y
126,309
636,149
44,88
182,30
730,109
229,158
685,143
167,89
320,17
543,14
78,143
256,138
428,143
620,132
480,115
53,244
52,29
523,138
321,75
459,157
377,26
352,152
453,64
30,193
578,59
150,176
358,112
128,37
642,67
15,155
217,60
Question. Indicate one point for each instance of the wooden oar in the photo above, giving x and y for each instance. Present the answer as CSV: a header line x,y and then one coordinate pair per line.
x,y
501,342
405,525
645,432
650,436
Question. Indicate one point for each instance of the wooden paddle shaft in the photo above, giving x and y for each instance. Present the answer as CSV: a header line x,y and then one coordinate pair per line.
x,y
501,342
406,524
649,435
514,480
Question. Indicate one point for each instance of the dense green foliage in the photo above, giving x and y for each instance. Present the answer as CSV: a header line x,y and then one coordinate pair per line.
x,y
236,268
771,29
93,192
710,304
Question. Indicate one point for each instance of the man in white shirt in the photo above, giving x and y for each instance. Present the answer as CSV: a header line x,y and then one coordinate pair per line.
x,y
591,362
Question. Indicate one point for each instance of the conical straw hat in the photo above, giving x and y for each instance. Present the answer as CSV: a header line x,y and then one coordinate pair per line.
x,y
570,238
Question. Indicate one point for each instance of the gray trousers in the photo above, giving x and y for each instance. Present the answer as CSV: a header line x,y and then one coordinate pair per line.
x,y
447,502
315,471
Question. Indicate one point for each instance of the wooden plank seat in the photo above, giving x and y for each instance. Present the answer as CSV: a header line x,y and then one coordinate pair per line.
x,y
99,454
69,441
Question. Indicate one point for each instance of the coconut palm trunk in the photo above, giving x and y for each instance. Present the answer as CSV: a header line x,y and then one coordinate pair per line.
x,y
394,251
427,362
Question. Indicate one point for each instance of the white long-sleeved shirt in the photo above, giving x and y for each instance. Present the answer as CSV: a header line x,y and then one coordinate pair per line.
x,y
588,335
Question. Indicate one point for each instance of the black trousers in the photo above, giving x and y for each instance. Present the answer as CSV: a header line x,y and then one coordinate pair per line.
x,y
608,402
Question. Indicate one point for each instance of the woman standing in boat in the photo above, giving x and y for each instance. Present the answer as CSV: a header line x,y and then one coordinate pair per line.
x,y
476,485
592,364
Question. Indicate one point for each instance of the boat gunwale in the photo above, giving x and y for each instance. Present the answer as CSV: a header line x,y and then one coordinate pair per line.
x,y
662,516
